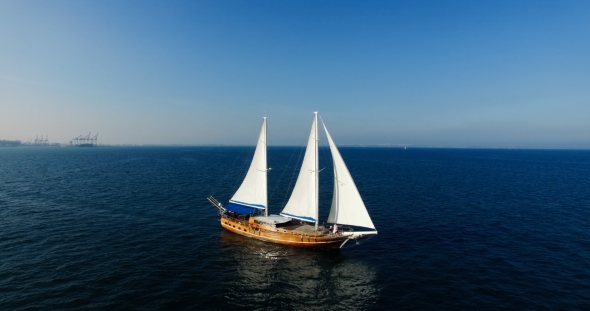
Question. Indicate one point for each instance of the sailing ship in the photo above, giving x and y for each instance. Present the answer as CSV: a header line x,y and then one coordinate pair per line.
x,y
297,224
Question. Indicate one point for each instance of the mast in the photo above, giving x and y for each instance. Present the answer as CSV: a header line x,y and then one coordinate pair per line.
x,y
266,170
317,174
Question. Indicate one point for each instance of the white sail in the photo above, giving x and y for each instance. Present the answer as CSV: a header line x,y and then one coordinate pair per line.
x,y
303,203
347,205
253,192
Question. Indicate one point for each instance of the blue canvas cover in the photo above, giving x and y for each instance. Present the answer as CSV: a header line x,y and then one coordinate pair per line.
x,y
239,209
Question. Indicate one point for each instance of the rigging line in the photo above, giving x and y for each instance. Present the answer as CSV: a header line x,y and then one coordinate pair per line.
x,y
232,169
359,243
326,159
282,174
293,175
246,161
324,152
228,171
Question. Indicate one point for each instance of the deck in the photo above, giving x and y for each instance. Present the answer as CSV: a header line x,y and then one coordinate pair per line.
x,y
302,235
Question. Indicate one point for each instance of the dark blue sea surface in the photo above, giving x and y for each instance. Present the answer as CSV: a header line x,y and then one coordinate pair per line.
x,y
130,228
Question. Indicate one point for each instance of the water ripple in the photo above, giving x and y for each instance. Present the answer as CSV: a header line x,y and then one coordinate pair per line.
x,y
128,228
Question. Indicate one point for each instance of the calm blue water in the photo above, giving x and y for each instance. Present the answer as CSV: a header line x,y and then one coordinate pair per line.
x,y
130,228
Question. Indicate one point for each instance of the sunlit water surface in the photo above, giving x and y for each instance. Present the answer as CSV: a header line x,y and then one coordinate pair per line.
x,y
130,228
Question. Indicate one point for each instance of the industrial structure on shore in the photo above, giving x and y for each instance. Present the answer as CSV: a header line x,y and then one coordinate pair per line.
x,y
85,141
80,141
39,142
9,143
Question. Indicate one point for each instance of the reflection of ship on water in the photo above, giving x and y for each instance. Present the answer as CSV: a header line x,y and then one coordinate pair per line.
x,y
85,141
281,277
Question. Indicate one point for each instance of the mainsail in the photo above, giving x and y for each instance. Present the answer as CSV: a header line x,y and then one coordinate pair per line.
x,y
253,192
347,205
303,203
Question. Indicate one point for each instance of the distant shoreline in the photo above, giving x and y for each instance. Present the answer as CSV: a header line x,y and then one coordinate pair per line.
x,y
8,144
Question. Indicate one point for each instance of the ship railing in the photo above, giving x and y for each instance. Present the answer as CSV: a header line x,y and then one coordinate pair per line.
x,y
242,220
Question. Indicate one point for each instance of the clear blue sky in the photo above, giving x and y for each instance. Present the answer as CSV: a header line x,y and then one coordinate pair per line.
x,y
421,73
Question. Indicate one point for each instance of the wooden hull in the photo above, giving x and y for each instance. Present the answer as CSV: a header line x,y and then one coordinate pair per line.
x,y
286,236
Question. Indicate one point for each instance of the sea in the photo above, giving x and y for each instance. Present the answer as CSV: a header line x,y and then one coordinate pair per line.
x,y
130,228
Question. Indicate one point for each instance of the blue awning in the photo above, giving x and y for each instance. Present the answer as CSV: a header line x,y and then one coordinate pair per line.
x,y
304,218
247,204
240,209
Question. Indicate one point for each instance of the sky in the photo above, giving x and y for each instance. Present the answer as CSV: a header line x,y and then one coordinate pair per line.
x,y
491,74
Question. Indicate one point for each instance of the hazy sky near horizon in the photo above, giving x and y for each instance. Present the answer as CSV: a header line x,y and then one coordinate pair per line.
x,y
418,73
